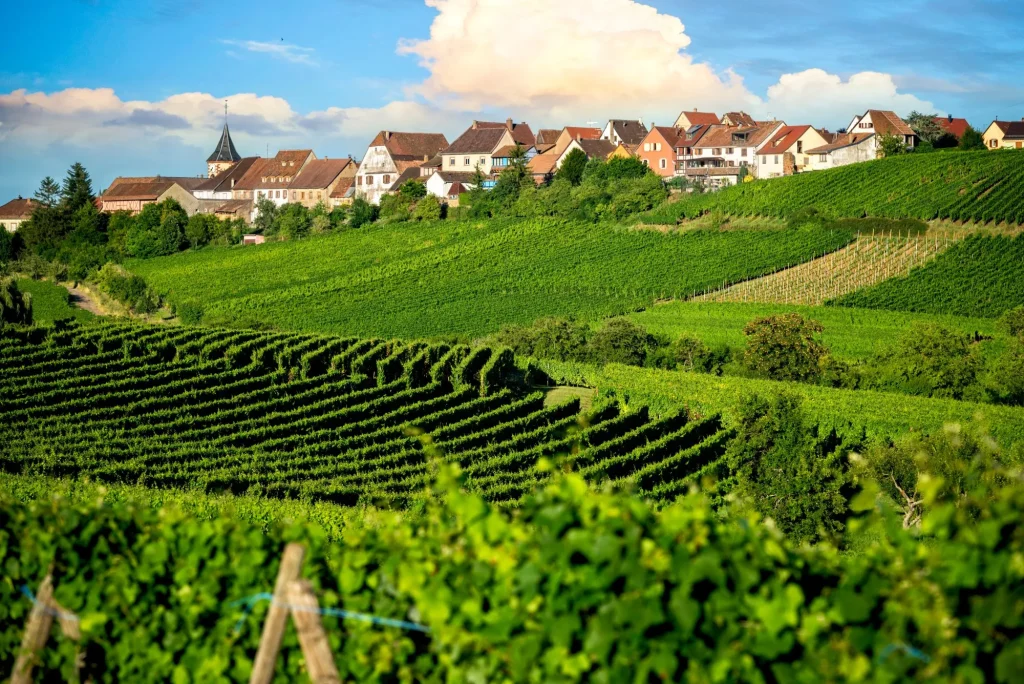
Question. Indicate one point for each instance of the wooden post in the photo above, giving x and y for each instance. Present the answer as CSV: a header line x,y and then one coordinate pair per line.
x,y
37,631
312,637
277,616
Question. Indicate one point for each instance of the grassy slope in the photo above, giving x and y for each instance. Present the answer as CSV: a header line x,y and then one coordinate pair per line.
x,y
50,302
976,186
980,276
880,414
469,279
849,333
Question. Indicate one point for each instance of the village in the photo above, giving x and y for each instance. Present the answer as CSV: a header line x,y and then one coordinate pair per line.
x,y
699,151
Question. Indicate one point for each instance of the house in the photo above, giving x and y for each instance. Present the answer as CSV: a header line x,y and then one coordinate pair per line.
x,y
542,166
658,149
729,149
272,180
737,119
16,212
883,122
624,151
411,174
621,130
222,185
785,153
475,148
955,127
521,132
846,148
686,142
501,159
344,193
688,120
546,139
570,133
253,239
1004,135
390,153
441,182
133,193
234,208
317,180
224,155
455,193
594,149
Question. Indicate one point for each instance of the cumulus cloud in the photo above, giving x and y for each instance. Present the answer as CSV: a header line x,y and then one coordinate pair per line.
x,y
296,54
816,96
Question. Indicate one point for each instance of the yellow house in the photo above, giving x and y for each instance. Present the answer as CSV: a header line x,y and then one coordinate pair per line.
x,y
624,151
1003,135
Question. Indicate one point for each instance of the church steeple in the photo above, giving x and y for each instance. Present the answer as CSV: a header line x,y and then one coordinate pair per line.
x,y
225,155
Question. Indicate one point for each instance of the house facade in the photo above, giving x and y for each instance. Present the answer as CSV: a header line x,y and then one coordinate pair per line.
x,y
1004,135
883,122
658,149
724,151
475,149
786,151
624,131
594,149
222,186
390,153
132,194
16,212
441,182
688,120
315,183
846,148
276,175
570,133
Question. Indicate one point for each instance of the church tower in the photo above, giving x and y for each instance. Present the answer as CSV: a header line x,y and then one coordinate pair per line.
x,y
225,156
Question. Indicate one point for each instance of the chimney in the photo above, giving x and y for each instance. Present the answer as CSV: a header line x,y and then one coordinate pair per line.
x,y
508,124
474,124
387,135
950,118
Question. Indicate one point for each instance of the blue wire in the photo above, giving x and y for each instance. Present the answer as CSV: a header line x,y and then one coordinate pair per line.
x,y
250,601
47,609
909,650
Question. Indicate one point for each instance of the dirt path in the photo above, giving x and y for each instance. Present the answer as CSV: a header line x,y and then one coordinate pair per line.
x,y
83,299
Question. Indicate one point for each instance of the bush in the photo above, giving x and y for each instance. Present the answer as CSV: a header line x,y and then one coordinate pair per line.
x,y
784,347
572,168
293,221
128,289
15,306
620,340
929,360
428,209
688,353
189,313
1012,322
362,213
547,338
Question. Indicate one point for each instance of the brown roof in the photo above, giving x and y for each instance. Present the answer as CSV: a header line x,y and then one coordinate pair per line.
x,y
137,191
521,132
18,209
722,136
251,178
599,149
506,151
888,123
955,127
457,189
403,164
420,146
542,163
828,135
319,173
1014,129
477,141
740,119
547,136
705,118
671,134
629,132
841,140
233,206
784,139
223,181
578,132
456,176
412,173
343,186
541,149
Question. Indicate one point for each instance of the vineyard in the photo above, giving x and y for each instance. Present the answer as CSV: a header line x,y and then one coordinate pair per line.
x,y
343,420
980,186
868,260
979,276
51,302
469,279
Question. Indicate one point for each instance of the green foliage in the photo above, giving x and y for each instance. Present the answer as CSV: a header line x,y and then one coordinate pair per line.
x,y
52,302
77,189
1005,380
7,246
972,139
293,222
413,190
428,209
1012,322
784,347
687,353
15,307
395,208
547,338
620,340
924,125
978,276
202,229
266,217
786,471
362,213
891,145
932,361
572,167
129,290
189,313
48,193
972,186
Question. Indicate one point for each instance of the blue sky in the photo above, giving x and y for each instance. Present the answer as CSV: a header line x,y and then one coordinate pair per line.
x,y
134,87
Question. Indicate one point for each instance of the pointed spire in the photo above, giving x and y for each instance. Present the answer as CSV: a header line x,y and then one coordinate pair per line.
x,y
225,148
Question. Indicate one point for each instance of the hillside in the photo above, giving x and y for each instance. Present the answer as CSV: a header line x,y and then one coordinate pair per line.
x,y
980,276
962,186
331,419
468,278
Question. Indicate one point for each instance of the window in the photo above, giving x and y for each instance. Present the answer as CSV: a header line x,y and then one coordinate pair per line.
x,y
743,152
483,161
359,180
822,157
451,161
319,195
764,159
700,152
776,159
718,151
465,162
729,151
663,164
799,146
387,179
303,195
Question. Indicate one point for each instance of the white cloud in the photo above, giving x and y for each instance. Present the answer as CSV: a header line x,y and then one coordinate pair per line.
x,y
284,51
817,97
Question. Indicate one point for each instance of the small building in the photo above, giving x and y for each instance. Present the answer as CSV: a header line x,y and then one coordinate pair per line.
x,y
222,186
883,122
1004,135
133,193
521,132
658,149
455,193
570,133
475,148
546,139
441,182
786,151
688,120
731,147
344,192
390,153
542,167
16,212
846,148
233,209
272,180
686,143
253,239
594,149
623,130
317,180
952,126
502,158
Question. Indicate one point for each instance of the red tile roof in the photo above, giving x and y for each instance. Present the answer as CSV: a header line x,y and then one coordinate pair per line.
x,y
342,188
578,132
421,146
671,134
542,163
222,182
547,136
722,136
18,209
740,119
955,127
126,192
521,132
887,122
784,139
701,118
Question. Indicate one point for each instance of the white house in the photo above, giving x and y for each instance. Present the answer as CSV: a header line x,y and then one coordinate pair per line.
x,y
440,183
882,122
272,179
848,148
222,186
724,150
785,152
631,133
388,157
475,148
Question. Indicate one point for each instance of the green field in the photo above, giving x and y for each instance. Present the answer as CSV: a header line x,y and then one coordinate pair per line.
x,y
50,302
852,334
468,279
980,276
880,414
963,186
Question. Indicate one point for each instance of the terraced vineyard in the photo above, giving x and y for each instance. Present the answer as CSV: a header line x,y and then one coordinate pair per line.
x,y
979,186
867,261
322,418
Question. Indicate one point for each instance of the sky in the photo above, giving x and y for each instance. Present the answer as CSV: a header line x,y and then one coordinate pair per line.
x,y
137,87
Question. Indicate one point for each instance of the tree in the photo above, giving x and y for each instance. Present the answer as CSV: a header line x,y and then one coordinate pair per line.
x,y
170,233
362,213
412,190
77,188
925,126
428,209
266,217
786,471
48,193
573,167
6,246
784,347
620,340
929,360
972,140
15,307
200,229
1012,322
294,221
892,145
513,179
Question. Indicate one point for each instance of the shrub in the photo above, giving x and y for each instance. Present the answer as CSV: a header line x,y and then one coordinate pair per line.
x,y
784,347
128,289
929,360
1012,322
362,213
547,338
620,340
15,306
428,208
189,313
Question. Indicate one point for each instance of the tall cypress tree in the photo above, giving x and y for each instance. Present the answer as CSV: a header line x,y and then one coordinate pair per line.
x,y
77,188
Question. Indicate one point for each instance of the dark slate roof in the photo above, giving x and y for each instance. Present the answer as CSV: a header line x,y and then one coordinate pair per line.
x,y
1015,129
597,148
629,132
225,149
410,174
